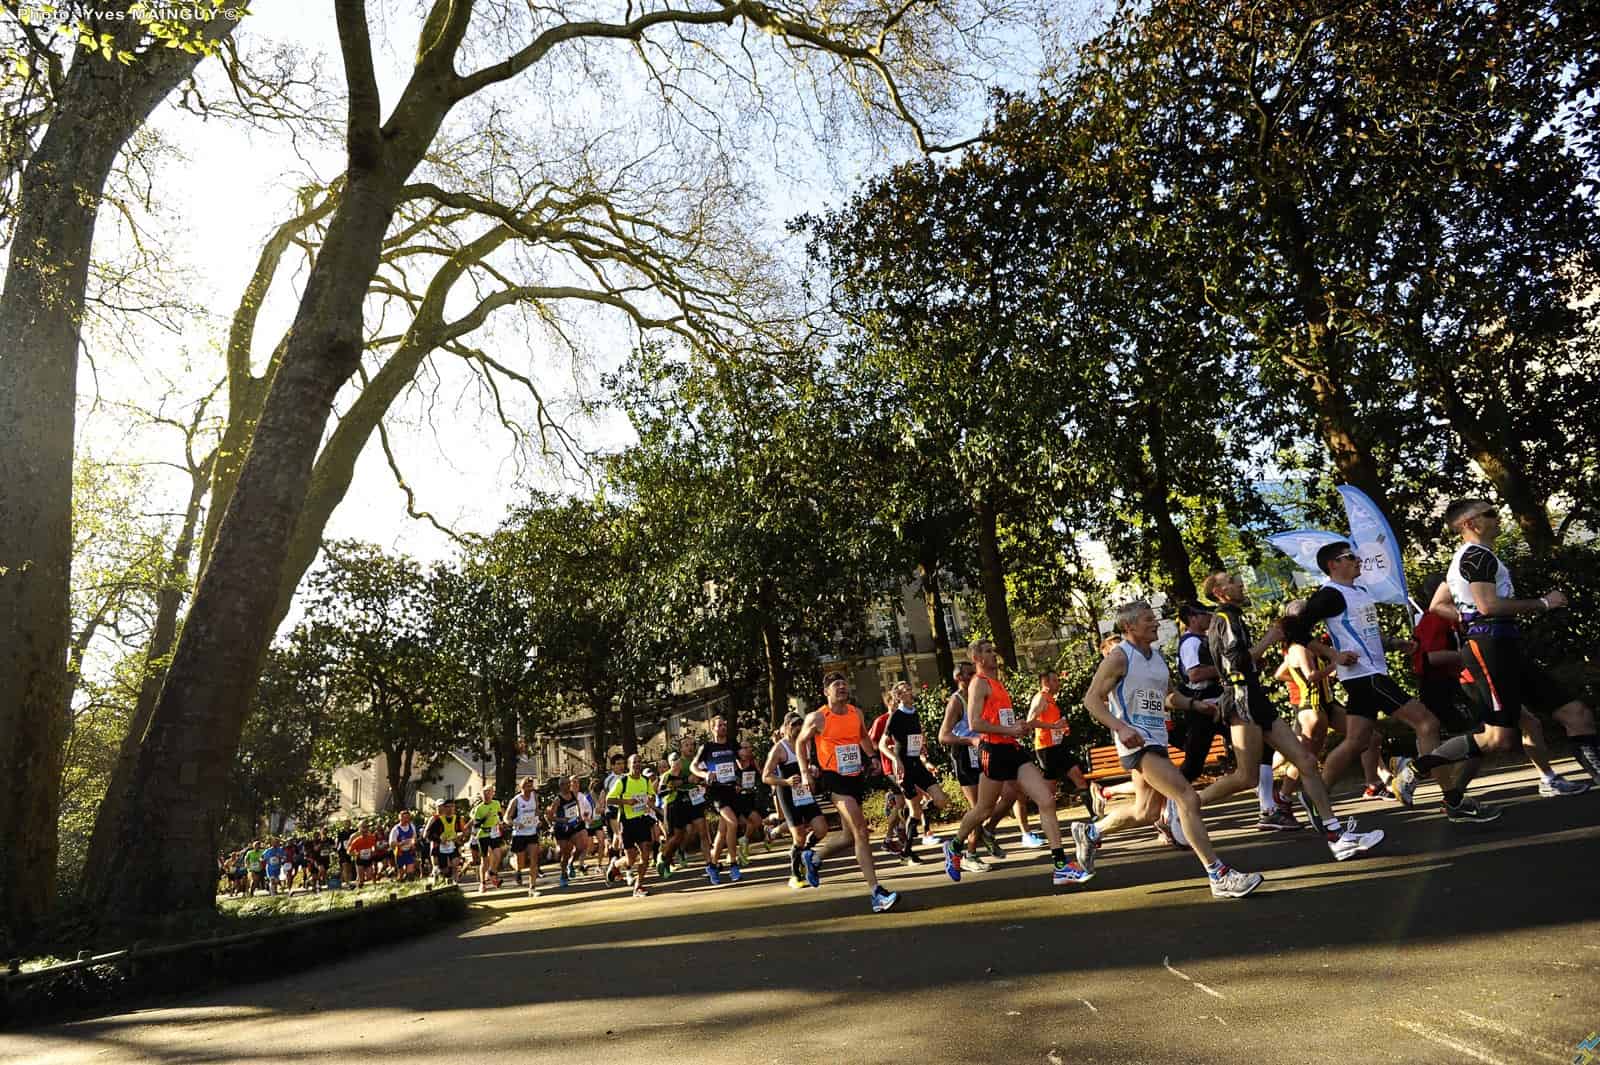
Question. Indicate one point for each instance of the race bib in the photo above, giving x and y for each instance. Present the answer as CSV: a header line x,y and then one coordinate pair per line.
x,y
494,833
527,822
972,757
800,794
914,745
725,772
641,804
847,756
366,852
697,795
747,778
1008,717
1149,709
570,811
447,848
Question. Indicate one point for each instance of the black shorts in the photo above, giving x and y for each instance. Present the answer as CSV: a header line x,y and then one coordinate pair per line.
x,y
917,778
1250,704
1373,695
441,858
522,843
1130,762
839,786
720,795
744,804
966,773
565,830
681,813
365,863
486,844
1057,761
1002,760
1504,680
796,815
636,830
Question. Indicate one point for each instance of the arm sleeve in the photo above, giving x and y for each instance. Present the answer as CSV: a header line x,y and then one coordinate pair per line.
x,y
1325,603
1479,566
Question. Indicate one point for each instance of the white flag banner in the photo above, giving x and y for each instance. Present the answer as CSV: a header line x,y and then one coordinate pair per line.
x,y
1382,573
1302,545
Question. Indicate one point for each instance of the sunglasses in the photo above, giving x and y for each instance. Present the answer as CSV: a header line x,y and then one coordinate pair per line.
x,y
1348,556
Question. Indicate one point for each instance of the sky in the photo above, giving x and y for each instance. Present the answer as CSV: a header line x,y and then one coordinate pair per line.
x,y
221,186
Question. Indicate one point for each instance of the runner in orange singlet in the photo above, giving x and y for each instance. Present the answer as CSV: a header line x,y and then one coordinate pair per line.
x,y
990,715
838,732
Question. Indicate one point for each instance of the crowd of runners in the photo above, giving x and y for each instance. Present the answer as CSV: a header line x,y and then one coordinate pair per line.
x,y
715,798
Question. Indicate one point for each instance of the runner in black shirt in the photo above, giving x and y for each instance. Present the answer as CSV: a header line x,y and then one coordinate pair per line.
x,y
716,763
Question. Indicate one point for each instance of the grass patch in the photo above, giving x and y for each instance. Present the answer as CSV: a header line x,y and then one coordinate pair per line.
x,y
246,913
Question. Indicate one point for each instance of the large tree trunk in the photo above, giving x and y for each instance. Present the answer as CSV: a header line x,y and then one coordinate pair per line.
x,y
1156,489
179,777
777,671
934,597
602,738
1322,359
992,579
99,107
630,737
506,756
162,635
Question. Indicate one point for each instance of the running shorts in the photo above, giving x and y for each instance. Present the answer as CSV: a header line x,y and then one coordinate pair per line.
x,y
917,778
1002,760
636,830
839,786
722,795
404,858
1056,762
966,773
1373,695
1504,680
681,813
565,830
522,843
1130,762
1250,704
744,804
796,815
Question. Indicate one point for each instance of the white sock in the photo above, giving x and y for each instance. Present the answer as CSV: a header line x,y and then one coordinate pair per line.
x,y
1175,823
1552,775
1264,791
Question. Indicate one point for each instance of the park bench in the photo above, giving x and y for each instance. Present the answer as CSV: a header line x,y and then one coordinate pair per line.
x,y
1103,764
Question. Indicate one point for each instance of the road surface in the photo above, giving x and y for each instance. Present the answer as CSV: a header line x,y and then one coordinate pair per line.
x,y
1449,944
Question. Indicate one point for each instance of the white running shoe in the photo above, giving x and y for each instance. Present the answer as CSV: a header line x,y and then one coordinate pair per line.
x,y
1084,844
1405,781
1352,843
882,900
930,840
1031,839
1233,884
1550,787
971,863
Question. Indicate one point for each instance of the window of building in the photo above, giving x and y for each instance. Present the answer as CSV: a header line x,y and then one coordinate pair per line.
x,y
355,794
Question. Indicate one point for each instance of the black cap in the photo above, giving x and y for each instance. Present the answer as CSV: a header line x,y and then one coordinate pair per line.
x,y
1193,610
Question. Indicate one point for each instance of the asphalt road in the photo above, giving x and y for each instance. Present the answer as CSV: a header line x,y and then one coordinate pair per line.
x,y
1449,944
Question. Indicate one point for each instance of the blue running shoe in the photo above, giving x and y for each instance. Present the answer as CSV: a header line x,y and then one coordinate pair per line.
x,y
711,874
1070,873
883,901
813,867
952,861
733,872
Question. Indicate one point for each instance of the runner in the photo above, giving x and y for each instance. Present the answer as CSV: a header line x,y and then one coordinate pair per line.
x,y
807,826
1438,665
685,806
902,747
610,833
447,831
965,754
715,763
255,864
570,813
990,714
1129,695
1502,674
633,797
523,813
486,817
1359,646
897,835
836,732
364,849
1253,721
403,844
752,827
1057,761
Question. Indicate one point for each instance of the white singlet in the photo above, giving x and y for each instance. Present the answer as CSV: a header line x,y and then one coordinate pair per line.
x,y
1140,698
1356,629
